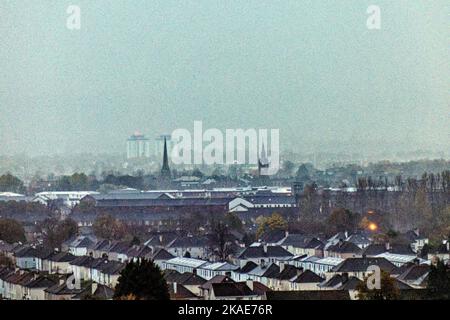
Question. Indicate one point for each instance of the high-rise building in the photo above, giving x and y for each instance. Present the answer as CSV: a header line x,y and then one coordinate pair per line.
x,y
138,146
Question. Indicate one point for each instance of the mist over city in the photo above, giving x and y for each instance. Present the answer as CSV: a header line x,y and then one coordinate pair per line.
x,y
308,68
214,158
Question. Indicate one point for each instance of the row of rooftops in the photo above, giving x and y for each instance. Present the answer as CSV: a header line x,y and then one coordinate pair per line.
x,y
25,278
52,284
168,199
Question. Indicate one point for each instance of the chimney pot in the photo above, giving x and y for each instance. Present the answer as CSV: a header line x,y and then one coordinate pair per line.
x,y
344,277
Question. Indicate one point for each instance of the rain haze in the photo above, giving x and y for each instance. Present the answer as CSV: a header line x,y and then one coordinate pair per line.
x,y
309,68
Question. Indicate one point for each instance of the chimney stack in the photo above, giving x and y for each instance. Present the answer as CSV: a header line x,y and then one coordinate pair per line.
x,y
250,284
265,248
94,287
175,288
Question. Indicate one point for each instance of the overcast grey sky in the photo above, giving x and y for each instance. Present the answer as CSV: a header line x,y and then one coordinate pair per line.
x,y
310,68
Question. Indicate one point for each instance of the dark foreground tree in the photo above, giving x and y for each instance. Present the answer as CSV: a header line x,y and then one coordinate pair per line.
x,y
142,280
439,281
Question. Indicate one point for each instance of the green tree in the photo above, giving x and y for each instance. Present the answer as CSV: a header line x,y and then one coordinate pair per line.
x,y
11,231
142,280
274,222
388,289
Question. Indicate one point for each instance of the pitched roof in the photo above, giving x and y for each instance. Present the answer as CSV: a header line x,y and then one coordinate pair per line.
x,y
179,291
260,252
358,238
61,257
351,284
374,249
309,295
102,245
414,272
404,249
345,247
216,279
82,261
268,271
162,254
220,266
62,289
189,242
232,289
308,277
334,281
302,241
361,265
259,288
111,267
139,252
188,262
26,252
41,282
288,272
82,242
186,278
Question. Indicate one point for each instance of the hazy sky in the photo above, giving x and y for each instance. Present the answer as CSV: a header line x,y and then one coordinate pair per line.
x,y
310,68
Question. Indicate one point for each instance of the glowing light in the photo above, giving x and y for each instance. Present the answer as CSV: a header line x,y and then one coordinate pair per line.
x,y
373,226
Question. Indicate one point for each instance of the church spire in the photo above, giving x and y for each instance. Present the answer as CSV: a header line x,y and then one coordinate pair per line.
x,y
165,170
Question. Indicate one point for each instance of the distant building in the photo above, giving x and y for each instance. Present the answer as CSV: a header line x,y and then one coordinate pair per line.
x,y
138,146
68,199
